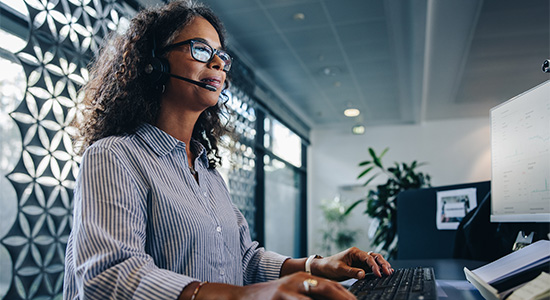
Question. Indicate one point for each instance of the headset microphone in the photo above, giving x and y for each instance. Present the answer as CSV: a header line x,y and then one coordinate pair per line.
x,y
201,84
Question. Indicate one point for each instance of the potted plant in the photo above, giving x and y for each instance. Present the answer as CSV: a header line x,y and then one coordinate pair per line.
x,y
336,235
381,201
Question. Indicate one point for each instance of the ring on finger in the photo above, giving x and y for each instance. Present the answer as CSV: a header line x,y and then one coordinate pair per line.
x,y
370,253
309,283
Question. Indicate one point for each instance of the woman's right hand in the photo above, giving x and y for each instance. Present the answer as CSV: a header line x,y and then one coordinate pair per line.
x,y
300,285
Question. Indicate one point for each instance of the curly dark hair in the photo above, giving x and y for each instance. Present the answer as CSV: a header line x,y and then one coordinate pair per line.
x,y
120,96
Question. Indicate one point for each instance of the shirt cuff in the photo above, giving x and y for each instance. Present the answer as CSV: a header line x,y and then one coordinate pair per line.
x,y
163,284
270,265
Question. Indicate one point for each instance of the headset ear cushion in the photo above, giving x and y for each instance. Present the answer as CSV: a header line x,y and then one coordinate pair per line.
x,y
158,70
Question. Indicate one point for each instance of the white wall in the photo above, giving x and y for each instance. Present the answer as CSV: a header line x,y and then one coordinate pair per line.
x,y
457,151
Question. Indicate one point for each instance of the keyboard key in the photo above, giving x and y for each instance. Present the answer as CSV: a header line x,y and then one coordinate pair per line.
x,y
403,284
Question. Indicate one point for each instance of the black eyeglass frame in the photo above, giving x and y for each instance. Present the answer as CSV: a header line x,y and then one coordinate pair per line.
x,y
191,42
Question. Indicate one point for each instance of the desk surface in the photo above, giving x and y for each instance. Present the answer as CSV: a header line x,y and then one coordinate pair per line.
x,y
449,273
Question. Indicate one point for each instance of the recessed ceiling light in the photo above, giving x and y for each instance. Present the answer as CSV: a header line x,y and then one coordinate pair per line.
x,y
351,112
330,71
299,16
358,129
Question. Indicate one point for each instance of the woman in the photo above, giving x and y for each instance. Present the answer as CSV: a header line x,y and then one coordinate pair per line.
x,y
153,218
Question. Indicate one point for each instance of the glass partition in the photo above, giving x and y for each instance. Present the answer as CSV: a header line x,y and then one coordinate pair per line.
x,y
282,141
282,207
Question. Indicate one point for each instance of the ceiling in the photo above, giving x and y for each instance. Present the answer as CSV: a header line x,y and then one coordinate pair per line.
x,y
398,62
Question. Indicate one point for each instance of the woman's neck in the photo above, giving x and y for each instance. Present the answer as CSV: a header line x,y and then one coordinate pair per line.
x,y
178,125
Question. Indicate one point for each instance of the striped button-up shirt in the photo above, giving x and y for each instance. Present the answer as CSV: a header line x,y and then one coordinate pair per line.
x,y
144,228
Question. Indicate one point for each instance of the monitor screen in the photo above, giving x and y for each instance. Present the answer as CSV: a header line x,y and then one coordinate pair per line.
x,y
520,157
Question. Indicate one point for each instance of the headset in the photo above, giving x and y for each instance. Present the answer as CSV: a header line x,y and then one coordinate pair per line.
x,y
158,70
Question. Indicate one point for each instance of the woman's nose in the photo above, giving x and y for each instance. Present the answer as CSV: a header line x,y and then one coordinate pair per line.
x,y
216,63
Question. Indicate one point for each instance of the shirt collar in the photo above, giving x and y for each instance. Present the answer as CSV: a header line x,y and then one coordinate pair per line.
x,y
162,143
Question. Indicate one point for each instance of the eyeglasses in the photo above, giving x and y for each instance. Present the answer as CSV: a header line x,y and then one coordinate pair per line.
x,y
203,52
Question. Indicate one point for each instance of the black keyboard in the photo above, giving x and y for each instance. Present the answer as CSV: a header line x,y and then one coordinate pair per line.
x,y
403,284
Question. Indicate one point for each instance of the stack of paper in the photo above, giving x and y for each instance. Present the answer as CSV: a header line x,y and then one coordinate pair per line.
x,y
501,277
536,289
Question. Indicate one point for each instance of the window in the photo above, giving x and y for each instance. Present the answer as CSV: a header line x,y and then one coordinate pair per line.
x,y
283,142
282,207
284,194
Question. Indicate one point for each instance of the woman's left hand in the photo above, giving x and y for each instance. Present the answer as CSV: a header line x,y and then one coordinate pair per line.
x,y
351,263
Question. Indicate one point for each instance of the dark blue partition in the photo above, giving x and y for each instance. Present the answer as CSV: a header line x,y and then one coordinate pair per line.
x,y
419,237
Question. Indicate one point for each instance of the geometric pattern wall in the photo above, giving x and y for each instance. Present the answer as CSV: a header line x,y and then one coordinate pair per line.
x,y
241,175
64,35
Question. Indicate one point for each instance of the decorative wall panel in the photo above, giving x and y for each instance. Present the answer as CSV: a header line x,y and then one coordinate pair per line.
x,y
64,35
240,167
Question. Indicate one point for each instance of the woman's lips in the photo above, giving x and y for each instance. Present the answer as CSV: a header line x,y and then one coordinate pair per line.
x,y
213,81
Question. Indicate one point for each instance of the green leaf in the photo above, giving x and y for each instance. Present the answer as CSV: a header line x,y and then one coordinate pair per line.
x,y
371,179
384,152
377,162
364,172
372,153
421,164
365,163
352,206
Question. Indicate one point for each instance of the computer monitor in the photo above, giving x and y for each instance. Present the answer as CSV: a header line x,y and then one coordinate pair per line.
x,y
520,157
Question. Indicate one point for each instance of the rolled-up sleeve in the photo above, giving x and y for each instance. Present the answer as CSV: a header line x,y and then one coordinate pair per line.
x,y
259,265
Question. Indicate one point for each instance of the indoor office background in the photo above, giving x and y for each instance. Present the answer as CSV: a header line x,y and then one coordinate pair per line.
x,y
423,76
